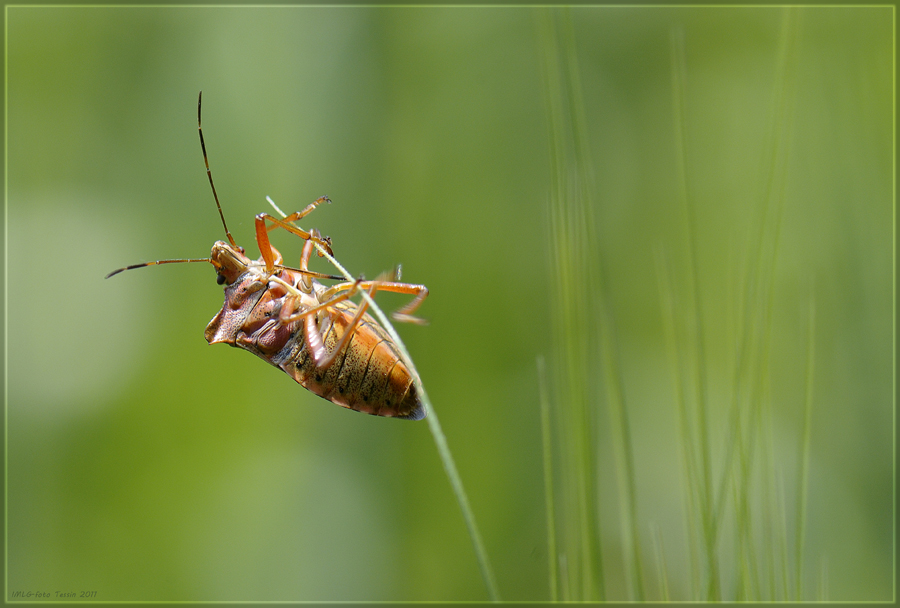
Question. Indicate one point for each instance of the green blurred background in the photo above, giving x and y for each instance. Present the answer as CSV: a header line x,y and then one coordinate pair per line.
x,y
146,465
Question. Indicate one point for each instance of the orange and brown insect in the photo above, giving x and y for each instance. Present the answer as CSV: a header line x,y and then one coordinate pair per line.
x,y
313,332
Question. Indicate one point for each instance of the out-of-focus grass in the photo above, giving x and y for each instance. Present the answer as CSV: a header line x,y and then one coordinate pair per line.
x,y
583,326
574,278
735,519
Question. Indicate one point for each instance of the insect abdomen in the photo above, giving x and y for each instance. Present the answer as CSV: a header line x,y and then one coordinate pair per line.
x,y
367,376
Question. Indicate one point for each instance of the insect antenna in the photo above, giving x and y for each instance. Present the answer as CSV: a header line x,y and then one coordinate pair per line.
x,y
156,263
312,273
209,175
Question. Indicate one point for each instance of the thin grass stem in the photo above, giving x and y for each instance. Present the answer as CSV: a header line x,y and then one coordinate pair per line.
x,y
433,425
552,552
662,569
707,511
804,458
783,545
687,443
823,580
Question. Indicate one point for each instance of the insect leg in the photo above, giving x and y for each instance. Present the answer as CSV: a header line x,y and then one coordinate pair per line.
x,y
306,211
313,336
403,314
311,331
265,246
305,277
287,314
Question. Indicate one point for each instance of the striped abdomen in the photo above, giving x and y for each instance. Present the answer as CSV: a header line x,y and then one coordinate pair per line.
x,y
367,376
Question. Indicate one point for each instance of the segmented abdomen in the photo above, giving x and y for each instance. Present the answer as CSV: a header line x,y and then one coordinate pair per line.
x,y
367,375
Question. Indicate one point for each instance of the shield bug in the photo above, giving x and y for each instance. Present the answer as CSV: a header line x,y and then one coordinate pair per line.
x,y
313,332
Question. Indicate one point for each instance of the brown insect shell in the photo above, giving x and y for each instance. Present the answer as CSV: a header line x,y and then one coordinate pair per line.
x,y
245,283
367,376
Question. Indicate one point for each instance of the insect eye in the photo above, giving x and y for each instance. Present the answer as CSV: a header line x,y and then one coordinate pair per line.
x,y
220,279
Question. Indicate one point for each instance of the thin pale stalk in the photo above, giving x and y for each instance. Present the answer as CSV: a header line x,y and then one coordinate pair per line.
x,y
552,553
805,447
823,580
707,512
768,248
783,545
433,424
687,443
625,468
774,539
661,564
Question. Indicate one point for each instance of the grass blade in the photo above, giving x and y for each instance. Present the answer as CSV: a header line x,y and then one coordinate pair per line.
x,y
571,244
552,553
434,426
707,511
800,521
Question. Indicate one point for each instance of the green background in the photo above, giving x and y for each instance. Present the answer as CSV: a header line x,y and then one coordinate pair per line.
x,y
144,464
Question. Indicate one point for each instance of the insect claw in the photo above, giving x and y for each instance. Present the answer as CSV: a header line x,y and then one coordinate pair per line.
x,y
327,241
324,241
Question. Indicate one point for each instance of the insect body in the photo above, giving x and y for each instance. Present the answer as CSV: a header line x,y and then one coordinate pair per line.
x,y
313,332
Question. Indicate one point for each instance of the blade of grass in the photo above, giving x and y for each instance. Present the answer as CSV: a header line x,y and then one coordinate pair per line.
x,y
691,494
571,241
823,580
552,553
783,545
768,247
434,426
625,470
621,431
803,484
661,564
707,512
